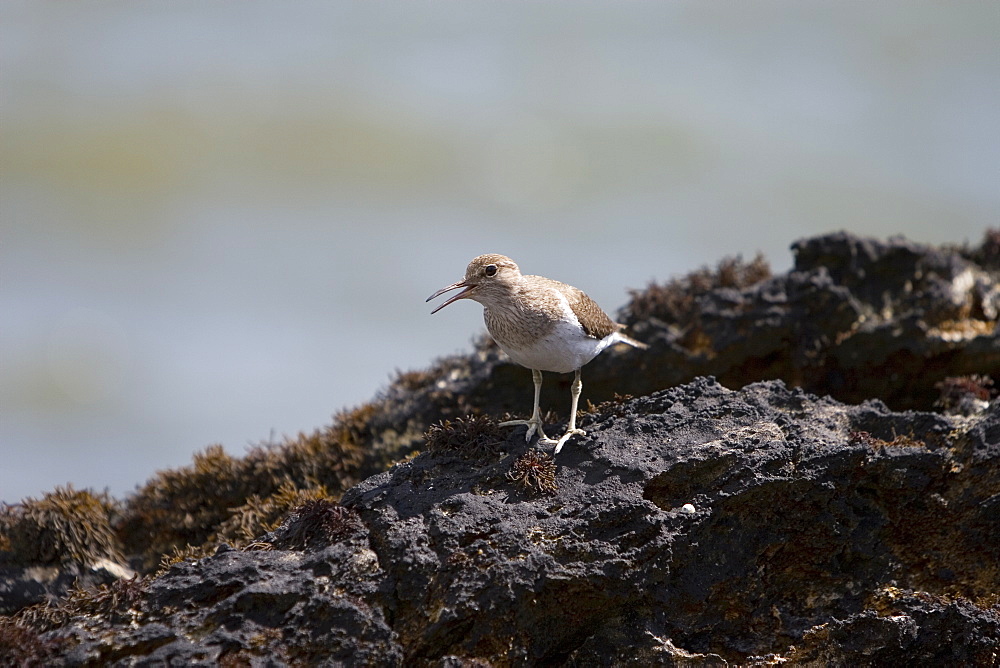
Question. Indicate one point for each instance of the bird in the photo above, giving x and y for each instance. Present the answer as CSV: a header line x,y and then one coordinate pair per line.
x,y
541,324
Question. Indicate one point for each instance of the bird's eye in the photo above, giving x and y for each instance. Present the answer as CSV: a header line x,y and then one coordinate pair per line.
x,y
490,270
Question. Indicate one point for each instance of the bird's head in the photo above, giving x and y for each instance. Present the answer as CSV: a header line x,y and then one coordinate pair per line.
x,y
487,277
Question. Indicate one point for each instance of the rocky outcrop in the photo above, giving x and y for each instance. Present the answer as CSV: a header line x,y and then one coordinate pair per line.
x,y
856,318
715,522
697,524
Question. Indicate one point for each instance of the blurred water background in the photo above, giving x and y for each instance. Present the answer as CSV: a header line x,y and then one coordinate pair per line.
x,y
220,220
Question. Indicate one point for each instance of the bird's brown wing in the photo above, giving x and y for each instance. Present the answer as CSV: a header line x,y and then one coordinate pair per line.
x,y
594,320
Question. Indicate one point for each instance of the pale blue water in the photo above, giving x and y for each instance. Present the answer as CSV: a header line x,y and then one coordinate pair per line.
x,y
219,222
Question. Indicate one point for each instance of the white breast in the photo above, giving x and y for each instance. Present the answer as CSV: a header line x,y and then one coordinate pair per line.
x,y
547,337
564,349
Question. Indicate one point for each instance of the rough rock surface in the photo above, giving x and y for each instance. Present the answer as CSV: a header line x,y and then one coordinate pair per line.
x,y
856,318
697,525
817,534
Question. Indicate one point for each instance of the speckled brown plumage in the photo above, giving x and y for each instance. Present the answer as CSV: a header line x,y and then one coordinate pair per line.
x,y
540,323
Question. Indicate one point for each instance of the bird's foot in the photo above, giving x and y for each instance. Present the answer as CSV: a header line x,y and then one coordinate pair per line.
x,y
533,426
562,439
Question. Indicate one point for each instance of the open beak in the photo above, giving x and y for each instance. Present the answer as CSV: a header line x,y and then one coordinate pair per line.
x,y
454,286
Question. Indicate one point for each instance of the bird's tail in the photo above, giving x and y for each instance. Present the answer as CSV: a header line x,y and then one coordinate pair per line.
x,y
625,338
634,343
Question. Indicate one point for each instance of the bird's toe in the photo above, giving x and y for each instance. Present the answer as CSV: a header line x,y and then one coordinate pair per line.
x,y
565,437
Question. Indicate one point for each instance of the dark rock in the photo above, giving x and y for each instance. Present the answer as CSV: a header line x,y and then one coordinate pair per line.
x,y
856,318
700,525
905,628
244,607
807,542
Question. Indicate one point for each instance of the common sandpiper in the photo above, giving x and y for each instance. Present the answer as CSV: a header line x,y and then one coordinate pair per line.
x,y
541,324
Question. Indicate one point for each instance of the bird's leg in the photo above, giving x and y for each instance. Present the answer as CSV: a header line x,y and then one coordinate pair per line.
x,y
575,389
535,421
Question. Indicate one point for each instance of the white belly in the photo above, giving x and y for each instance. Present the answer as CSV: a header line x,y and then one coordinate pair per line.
x,y
566,348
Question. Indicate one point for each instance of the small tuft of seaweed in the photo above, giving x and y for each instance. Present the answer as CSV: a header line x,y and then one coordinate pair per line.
x,y
314,524
616,406
178,554
116,603
259,515
676,301
534,472
64,526
898,441
472,437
